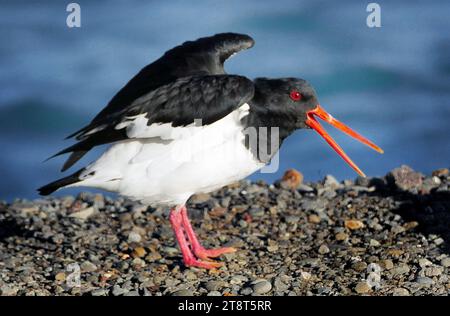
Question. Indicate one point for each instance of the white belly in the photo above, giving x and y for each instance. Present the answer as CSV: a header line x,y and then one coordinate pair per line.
x,y
169,172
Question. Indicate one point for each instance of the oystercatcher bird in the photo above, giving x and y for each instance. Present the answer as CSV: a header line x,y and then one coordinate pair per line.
x,y
180,127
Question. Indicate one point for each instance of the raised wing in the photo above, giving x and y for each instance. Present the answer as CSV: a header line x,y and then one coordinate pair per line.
x,y
204,56
177,104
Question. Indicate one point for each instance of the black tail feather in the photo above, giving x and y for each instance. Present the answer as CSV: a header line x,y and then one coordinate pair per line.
x,y
73,158
79,149
55,185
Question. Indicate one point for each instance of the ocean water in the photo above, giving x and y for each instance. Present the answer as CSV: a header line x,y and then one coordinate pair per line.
x,y
392,83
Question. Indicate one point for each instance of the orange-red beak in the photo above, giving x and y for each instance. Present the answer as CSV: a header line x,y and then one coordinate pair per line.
x,y
314,124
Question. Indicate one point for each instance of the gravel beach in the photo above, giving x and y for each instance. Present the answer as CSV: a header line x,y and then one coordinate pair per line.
x,y
369,236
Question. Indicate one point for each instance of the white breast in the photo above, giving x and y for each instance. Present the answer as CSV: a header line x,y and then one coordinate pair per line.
x,y
187,161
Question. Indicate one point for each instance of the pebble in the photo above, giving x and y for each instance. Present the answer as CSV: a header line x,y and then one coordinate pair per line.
x,y
83,214
362,288
139,252
441,172
256,211
292,179
134,237
314,219
445,262
359,266
171,251
130,249
423,262
214,285
331,181
424,281
246,291
400,292
400,270
405,178
199,198
341,236
305,188
99,292
61,276
7,290
262,287
88,266
117,290
434,271
387,264
354,224
305,276
438,241
292,219
183,293
374,243
323,249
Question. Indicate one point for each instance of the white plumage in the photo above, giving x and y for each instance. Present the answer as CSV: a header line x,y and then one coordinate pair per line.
x,y
162,164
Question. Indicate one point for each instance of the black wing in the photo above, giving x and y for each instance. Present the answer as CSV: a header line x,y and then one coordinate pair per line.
x,y
208,98
204,56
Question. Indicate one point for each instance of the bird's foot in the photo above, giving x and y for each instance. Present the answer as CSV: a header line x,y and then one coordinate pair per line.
x,y
194,254
205,264
206,254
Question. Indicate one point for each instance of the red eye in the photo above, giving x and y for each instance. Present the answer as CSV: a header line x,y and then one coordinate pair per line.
x,y
295,95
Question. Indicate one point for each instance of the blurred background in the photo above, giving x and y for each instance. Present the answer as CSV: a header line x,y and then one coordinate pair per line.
x,y
392,83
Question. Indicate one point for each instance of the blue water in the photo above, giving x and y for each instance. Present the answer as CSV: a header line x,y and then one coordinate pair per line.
x,y
391,83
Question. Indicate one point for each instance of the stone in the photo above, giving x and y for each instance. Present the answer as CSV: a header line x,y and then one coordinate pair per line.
x,y
331,181
341,236
246,291
374,243
262,287
354,224
7,290
387,264
117,290
292,219
362,288
400,292
291,179
313,218
438,241
199,198
88,266
99,292
83,214
61,276
445,262
423,262
214,285
134,237
434,271
405,178
323,249
184,292
400,270
426,281
305,276
139,252
441,172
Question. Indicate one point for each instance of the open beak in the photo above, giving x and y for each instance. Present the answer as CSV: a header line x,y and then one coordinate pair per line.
x,y
314,124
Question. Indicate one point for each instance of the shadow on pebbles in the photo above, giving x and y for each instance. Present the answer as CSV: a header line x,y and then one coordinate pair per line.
x,y
371,236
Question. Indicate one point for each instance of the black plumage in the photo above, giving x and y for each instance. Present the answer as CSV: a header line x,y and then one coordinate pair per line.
x,y
193,62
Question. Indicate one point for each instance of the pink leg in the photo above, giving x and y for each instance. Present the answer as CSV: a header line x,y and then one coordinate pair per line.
x,y
197,248
188,257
